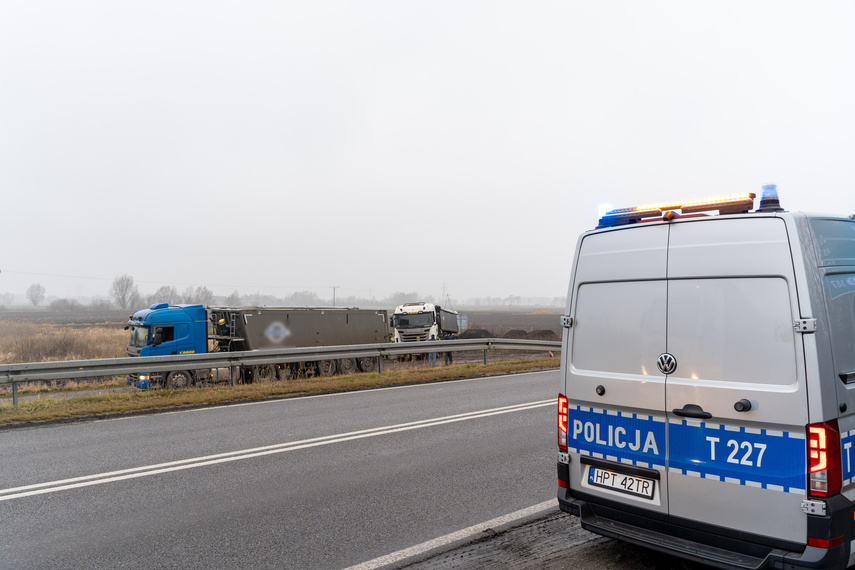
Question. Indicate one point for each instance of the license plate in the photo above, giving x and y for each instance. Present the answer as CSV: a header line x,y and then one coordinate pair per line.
x,y
629,484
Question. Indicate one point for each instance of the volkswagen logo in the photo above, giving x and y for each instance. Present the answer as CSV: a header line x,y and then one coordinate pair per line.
x,y
667,364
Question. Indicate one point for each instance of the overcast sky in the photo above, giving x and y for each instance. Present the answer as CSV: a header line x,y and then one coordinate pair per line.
x,y
378,146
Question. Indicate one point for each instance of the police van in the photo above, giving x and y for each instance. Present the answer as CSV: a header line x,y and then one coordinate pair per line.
x,y
707,396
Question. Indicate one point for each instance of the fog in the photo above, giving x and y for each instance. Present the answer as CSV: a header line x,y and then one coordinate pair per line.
x,y
451,149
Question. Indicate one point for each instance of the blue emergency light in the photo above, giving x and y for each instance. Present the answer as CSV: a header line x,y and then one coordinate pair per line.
x,y
769,199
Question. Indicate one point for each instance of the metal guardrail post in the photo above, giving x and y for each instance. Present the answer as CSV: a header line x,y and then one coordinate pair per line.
x,y
485,356
233,374
380,363
15,394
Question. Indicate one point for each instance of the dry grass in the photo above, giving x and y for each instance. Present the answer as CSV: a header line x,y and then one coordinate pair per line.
x,y
64,386
26,341
49,409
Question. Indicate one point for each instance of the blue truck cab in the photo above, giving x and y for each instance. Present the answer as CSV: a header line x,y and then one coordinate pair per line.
x,y
163,330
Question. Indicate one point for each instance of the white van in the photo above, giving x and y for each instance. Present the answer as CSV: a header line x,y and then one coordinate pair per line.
x,y
707,398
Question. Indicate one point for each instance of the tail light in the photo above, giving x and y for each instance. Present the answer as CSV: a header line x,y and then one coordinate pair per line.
x,y
562,422
825,476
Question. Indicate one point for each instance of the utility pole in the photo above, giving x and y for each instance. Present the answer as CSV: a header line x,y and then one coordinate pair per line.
x,y
334,287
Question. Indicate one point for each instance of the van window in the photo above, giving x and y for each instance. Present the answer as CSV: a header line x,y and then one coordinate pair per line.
x,y
619,327
841,316
732,330
836,241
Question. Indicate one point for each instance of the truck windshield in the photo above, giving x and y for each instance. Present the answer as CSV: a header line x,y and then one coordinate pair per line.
x,y
420,320
139,336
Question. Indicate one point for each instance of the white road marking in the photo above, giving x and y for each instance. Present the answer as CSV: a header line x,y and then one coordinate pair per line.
x,y
454,536
136,472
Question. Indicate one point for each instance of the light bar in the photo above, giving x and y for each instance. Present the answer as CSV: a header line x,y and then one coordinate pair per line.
x,y
725,204
712,200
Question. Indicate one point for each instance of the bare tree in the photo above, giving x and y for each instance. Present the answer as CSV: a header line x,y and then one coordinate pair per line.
x,y
36,293
99,304
187,295
203,296
303,299
399,298
165,294
232,300
125,292
66,305
259,298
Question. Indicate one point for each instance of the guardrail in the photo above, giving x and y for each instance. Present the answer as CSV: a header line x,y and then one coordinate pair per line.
x,y
15,374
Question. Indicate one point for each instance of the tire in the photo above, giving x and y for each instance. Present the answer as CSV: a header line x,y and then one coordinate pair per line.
x,y
178,380
347,366
368,364
326,368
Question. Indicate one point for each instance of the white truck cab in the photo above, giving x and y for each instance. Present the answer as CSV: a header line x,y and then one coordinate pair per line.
x,y
706,404
413,322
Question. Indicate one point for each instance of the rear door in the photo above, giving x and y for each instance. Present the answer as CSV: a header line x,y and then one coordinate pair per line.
x,y
731,311
616,394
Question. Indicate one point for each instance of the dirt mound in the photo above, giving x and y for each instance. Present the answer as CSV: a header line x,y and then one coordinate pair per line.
x,y
542,335
476,333
516,333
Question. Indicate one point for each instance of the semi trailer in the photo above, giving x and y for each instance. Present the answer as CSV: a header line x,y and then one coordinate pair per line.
x,y
164,329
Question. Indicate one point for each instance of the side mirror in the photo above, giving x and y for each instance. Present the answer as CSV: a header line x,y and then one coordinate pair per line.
x,y
158,336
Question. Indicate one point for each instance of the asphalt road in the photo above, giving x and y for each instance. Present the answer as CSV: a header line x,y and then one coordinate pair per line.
x,y
320,482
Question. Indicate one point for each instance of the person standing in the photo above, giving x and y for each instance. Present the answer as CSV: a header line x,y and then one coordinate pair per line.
x,y
432,355
449,357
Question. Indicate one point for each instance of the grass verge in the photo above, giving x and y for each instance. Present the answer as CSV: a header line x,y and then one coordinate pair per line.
x,y
53,409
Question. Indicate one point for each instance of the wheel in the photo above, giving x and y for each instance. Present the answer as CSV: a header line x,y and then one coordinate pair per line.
x,y
264,373
326,367
178,380
347,366
368,364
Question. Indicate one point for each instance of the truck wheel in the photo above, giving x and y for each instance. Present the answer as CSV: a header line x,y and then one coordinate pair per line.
x,y
178,380
326,367
368,364
347,366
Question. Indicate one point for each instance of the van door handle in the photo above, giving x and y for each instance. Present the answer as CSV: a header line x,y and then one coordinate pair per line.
x,y
692,411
